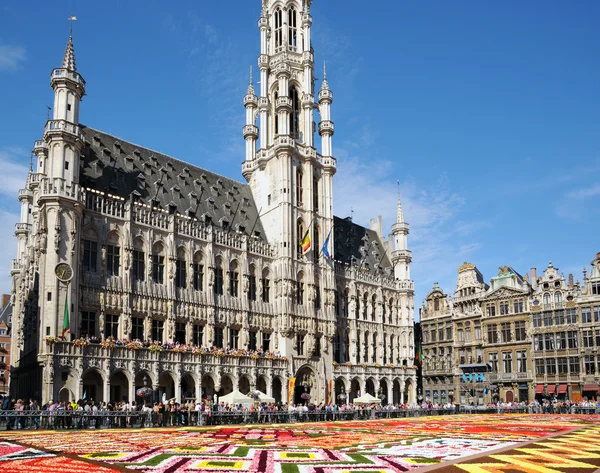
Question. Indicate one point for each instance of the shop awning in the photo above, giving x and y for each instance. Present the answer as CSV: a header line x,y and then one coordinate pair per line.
x,y
562,389
539,389
551,388
591,387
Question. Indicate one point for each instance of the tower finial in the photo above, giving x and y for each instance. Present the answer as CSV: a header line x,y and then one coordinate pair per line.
x,y
399,212
324,70
71,19
250,85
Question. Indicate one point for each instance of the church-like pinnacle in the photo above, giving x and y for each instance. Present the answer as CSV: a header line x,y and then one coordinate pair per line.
x,y
325,85
250,85
399,212
69,59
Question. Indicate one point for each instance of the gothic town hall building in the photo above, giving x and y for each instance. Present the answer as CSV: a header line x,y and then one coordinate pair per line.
x,y
118,243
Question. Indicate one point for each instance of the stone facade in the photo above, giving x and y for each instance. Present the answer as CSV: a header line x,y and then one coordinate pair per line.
x,y
5,324
162,250
538,336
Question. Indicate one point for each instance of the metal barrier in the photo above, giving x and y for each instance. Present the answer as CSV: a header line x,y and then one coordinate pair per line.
x,y
60,419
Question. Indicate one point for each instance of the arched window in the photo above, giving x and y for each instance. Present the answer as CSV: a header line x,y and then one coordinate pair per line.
x,y
234,279
315,193
558,298
275,115
315,244
198,272
391,311
278,17
113,255
546,299
266,286
295,115
292,30
436,304
138,267
373,307
346,302
365,305
180,269
158,263
90,251
299,188
374,352
300,289
252,283
218,288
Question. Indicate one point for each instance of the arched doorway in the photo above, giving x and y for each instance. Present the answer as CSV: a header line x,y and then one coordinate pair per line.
x,y
208,386
119,387
354,389
341,393
92,386
226,385
261,384
188,388
383,392
306,388
510,397
396,392
166,386
276,389
244,385
370,387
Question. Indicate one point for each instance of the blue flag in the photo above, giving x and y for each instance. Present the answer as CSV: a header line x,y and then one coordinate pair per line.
x,y
325,249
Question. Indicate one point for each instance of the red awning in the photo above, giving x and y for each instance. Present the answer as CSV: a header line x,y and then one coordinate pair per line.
x,y
562,389
539,389
591,387
551,388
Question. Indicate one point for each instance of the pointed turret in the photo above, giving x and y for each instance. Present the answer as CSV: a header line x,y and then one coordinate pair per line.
x,y
399,212
401,256
69,58
326,128
250,129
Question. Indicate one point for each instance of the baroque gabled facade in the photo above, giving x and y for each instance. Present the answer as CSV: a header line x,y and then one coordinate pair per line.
x,y
160,250
535,337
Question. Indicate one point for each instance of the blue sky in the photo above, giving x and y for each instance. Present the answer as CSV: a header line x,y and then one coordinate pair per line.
x,y
487,112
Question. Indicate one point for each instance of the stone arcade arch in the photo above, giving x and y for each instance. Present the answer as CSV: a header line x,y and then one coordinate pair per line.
x,y
93,385
276,389
119,387
261,384
65,395
244,385
340,391
188,388
208,386
166,386
226,385
355,389
383,392
143,379
370,387
306,383
396,392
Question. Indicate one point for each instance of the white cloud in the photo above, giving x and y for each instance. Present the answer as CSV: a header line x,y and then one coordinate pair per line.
x,y
11,57
585,193
439,240
14,172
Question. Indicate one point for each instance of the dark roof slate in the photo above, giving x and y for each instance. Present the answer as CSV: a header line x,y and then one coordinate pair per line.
x,y
121,168
358,245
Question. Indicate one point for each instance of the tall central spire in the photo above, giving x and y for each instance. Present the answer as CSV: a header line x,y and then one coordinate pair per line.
x,y
69,58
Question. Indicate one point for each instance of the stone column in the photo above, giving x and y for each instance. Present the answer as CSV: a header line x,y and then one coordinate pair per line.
x,y
402,391
132,389
105,390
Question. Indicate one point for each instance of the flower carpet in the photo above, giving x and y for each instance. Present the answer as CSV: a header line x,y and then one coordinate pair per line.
x,y
383,446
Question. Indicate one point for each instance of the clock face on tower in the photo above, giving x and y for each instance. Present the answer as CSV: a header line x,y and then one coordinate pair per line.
x,y
63,272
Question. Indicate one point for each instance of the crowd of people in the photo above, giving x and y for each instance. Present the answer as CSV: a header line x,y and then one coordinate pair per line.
x,y
29,414
176,346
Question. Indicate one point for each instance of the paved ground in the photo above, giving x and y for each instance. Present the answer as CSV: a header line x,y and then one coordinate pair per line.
x,y
473,443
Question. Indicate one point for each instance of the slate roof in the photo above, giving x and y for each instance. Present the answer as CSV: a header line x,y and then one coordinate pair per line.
x,y
358,245
121,168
